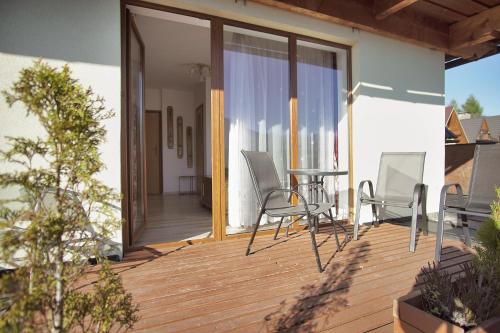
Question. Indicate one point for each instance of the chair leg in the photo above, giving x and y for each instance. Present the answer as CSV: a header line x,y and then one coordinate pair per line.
x,y
278,229
356,219
330,216
312,232
413,232
254,231
425,220
439,233
374,216
288,226
465,228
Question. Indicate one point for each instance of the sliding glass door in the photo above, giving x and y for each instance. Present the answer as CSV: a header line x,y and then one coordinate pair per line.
x,y
320,82
271,91
256,115
259,111
135,116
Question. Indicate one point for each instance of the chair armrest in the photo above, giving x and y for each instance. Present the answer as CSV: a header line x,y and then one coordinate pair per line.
x,y
457,186
362,185
418,193
300,196
444,193
313,185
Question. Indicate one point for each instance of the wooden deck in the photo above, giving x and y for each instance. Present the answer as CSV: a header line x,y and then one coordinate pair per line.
x,y
214,288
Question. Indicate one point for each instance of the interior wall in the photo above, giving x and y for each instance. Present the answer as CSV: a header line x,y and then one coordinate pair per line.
x,y
183,104
86,36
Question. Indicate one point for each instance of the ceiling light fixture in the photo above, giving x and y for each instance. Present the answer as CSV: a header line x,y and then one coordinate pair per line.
x,y
199,71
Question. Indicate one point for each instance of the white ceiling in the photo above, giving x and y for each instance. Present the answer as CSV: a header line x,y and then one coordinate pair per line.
x,y
170,46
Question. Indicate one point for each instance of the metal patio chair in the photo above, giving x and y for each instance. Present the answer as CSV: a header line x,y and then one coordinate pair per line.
x,y
484,179
106,246
274,203
399,184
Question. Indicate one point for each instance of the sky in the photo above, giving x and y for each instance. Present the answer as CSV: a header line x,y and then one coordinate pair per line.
x,y
481,79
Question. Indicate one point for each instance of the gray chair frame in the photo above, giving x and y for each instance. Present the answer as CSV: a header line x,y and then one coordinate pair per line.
x,y
463,206
312,211
102,242
419,199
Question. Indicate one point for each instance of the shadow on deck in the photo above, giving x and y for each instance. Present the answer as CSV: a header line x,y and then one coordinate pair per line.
x,y
214,288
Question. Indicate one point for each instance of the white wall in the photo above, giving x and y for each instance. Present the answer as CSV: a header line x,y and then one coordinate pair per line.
x,y
399,91
398,106
152,99
83,34
183,104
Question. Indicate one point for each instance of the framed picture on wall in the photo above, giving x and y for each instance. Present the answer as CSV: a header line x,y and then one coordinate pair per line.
x,y
180,141
189,146
170,127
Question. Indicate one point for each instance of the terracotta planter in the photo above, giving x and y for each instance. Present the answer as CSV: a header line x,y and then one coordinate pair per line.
x,y
410,318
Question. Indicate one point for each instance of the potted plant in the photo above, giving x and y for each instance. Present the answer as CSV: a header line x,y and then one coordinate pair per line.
x,y
470,303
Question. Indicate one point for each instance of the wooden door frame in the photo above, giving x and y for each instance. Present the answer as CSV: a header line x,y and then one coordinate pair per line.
x,y
202,106
217,111
128,235
161,146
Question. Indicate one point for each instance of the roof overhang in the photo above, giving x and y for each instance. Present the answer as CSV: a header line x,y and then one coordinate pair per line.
x,y
464,30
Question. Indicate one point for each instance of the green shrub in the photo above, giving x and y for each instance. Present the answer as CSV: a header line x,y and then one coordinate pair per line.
x,y
488,237
474,297
42,292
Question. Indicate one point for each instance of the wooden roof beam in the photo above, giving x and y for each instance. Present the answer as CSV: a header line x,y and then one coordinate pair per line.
x,y
408,27
384,8
479,51
476,29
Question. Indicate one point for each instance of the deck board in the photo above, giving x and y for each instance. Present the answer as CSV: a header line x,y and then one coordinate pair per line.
x,y
213,287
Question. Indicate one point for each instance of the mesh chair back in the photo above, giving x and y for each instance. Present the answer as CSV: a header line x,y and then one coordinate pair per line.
x,y
49,202
398,174
485,176
265,178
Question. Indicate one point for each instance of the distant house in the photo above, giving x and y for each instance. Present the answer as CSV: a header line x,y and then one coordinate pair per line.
x,y
463,115
494,127
477,130
454,133
461,128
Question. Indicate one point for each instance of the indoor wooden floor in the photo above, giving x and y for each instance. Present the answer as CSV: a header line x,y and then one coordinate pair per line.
x,y
174,218
213,287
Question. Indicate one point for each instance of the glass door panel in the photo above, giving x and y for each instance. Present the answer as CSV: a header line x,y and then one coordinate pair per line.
x,y
256,116
322,100
135,65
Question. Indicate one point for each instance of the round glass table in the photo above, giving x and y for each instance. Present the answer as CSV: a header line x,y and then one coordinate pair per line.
x,y
316,176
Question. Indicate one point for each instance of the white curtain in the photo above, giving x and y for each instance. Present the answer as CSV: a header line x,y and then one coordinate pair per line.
x,y
256,95
317,86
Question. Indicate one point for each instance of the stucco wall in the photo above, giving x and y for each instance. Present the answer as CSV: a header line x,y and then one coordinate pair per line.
x,y
398,106
83,34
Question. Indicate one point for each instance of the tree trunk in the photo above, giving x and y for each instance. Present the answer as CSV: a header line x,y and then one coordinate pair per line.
x,y
59,304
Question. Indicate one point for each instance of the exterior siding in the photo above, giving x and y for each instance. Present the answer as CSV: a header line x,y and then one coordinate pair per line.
x,y
83,34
